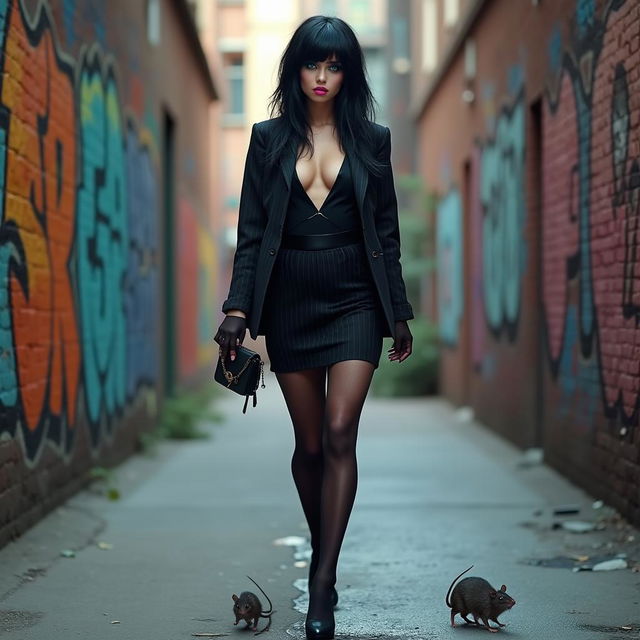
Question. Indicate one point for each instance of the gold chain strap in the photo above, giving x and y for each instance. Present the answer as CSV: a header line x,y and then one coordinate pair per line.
x,y
233,379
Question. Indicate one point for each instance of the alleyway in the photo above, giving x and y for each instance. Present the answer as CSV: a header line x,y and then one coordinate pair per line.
x,y
435,495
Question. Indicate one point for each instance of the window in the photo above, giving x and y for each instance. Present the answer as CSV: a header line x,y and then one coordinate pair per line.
x,y
153,21
451,8
234,72
429,35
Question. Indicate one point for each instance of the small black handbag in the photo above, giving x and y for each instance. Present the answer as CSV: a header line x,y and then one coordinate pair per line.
x,y
241,375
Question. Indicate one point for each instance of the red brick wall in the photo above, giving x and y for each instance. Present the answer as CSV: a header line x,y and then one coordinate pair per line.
x,y
540,331
82,101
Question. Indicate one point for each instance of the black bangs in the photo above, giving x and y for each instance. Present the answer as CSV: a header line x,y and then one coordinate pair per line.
x,y
321,41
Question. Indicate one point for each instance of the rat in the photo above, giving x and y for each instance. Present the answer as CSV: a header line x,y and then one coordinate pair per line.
x,y
477,597
247,607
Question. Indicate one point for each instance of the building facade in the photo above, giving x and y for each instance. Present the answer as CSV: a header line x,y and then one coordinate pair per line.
x,y
528,119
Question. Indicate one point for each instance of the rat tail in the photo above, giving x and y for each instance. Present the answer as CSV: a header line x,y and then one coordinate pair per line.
x,y
446,599
267,613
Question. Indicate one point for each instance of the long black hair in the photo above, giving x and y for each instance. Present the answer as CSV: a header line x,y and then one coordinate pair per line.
x,y
315,40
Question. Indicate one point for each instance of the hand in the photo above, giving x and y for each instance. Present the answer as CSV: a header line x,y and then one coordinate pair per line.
x,y
402,342
230,334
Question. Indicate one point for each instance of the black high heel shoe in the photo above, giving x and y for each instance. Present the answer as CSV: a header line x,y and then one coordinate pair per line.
x,y
320,627
312,569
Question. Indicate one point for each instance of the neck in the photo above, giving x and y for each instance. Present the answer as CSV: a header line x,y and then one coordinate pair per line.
x,y
320,114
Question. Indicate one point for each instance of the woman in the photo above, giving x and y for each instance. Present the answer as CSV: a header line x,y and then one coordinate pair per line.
x,y
317,272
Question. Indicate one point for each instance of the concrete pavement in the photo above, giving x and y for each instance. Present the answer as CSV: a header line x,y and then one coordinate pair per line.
x,y
435,495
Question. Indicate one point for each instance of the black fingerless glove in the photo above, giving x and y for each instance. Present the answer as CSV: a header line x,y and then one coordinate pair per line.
x,y
230,333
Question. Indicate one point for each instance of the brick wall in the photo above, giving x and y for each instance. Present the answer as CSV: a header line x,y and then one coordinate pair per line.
x,y
84,97
539,234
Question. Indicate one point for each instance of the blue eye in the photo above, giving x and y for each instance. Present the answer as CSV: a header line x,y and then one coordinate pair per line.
x,y
309,65
336,68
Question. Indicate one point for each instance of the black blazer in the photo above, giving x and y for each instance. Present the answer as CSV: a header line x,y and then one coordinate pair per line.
x,y
263,205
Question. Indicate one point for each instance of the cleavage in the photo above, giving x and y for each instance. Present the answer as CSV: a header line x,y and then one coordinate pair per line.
x,y
326,198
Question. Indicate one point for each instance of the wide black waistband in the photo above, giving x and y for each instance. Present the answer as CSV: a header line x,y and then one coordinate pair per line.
x,y
321,240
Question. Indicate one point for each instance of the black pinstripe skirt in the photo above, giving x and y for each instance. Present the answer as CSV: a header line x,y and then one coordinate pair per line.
x,y
321,308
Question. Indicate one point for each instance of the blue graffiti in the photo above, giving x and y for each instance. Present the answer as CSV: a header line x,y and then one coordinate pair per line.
x,y
587,310
68,19
515,79
102,245
555,48
578,380
585,15
502,198
141,283
450,267
91,12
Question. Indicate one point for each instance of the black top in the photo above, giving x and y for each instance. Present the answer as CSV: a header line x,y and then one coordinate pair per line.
x,y
339,211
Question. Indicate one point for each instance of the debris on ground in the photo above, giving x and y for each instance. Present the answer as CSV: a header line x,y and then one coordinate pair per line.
x,y
289,541
532,457
464,414
611,565
582,562
576,526
566,510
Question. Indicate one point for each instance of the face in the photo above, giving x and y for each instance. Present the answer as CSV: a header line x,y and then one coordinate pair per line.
x,y
321,81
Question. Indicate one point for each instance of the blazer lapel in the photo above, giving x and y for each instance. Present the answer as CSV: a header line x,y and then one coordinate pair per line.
x,y
360,177
287,164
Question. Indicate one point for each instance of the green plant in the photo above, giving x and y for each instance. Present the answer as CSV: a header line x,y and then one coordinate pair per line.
x,y
181,416
416,207
418,374
103,482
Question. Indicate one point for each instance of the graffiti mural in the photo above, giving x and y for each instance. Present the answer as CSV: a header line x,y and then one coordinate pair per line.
x,y
102,240
450,267
502,200
196,293
476,312
614,220
206,298
591,211
141,281
560,214
42,361
79,252
187,316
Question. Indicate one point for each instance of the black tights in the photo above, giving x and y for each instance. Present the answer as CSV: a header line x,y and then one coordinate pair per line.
x,y
324,462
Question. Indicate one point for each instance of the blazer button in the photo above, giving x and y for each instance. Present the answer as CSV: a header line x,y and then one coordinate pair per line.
x,y
272,252
374,254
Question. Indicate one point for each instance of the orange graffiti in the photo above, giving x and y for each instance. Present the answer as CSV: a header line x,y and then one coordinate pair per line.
x,y
40,201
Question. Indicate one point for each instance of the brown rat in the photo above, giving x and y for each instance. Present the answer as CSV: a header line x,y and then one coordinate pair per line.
x,y
477,597
248,607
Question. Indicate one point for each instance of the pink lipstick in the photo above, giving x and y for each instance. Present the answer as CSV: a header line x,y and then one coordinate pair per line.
x,y
320,91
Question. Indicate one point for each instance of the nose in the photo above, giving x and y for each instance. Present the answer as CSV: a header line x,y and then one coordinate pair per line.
x,y
320,74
